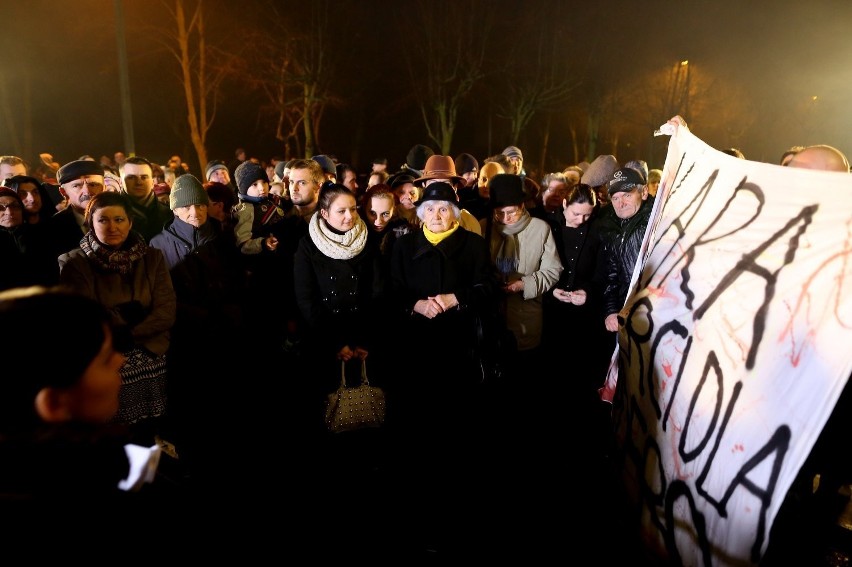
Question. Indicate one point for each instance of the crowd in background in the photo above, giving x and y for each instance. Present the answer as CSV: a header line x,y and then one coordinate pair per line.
x,y
484,301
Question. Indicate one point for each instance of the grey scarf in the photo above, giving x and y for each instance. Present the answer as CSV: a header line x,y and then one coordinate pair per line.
x,y
506,259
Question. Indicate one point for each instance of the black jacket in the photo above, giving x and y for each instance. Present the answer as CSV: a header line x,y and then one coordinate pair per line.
x,y
620,254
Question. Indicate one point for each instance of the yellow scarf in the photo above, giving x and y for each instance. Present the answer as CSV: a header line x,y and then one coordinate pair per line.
x,y
436,237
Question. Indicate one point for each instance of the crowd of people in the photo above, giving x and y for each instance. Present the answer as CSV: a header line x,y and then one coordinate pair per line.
x,y
218,311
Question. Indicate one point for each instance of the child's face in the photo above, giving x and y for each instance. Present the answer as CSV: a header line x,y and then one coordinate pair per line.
x,y
259,188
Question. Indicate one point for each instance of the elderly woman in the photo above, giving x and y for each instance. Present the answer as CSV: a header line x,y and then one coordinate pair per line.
x,y
441,280
524,254
116,267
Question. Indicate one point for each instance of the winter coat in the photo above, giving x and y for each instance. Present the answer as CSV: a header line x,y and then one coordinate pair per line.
x,y
205,268
335,297
26,257
620,254
459,264
539,267
149,286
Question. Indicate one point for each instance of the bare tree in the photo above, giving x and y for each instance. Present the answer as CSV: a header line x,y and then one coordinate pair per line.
x,y
448,60
298,49
543,82
201,81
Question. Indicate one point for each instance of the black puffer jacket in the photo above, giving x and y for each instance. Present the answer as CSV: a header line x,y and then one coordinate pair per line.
x,y
620,254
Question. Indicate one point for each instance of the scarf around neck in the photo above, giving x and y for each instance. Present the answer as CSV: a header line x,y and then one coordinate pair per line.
x,y
110,259
338,246
436,237
507,253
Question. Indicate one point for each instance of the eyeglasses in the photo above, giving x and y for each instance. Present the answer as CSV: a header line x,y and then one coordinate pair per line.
x,y
10,206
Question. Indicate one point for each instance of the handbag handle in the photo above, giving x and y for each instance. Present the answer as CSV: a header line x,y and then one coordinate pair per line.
x,y
364,380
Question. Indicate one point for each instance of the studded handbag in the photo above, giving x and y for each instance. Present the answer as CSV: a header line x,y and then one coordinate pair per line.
x,y
352,408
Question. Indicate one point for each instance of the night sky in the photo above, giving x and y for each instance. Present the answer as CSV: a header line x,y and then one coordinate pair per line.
x,y
757,67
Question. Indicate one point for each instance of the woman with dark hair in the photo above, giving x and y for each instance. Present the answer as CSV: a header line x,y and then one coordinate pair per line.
x,y
572,317
335,281
115,266
380,209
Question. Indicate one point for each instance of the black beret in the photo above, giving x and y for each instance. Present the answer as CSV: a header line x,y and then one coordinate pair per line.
x,y
77,169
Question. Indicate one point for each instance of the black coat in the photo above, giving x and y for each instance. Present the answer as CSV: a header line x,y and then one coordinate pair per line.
x,y
63,231
460,264
27,258
335,297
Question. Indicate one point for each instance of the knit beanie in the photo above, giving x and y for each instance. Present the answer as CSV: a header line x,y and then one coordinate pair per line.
x,y
513,151
417,156
465,163
326,163
186,191
247,173
279,169
212,166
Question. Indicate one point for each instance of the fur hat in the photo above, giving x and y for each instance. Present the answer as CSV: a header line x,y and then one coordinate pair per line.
x,y
625,179
506,190
186,191
439,167
212,166
513,151
600,171
439,191
417,156
77,169
247,173
326,163
465,163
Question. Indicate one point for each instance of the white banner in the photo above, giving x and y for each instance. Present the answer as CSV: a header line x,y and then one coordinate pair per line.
x,y
737,344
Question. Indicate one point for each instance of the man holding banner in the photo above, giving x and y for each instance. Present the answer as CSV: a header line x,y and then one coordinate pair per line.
x,y
734,348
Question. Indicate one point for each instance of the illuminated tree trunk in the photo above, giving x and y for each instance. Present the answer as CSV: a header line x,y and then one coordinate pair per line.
x,y
195,87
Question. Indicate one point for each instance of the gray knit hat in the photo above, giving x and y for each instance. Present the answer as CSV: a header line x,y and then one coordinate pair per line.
x,y
186,191
247,173
513,151
212,166
326,163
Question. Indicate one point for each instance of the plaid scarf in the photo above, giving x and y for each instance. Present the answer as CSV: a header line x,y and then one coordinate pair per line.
x,y
114,260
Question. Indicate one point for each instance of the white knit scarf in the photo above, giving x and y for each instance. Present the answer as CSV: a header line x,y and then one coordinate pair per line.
x,y
338,246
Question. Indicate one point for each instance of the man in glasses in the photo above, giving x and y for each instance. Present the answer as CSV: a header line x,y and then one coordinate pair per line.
x,y
79,181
